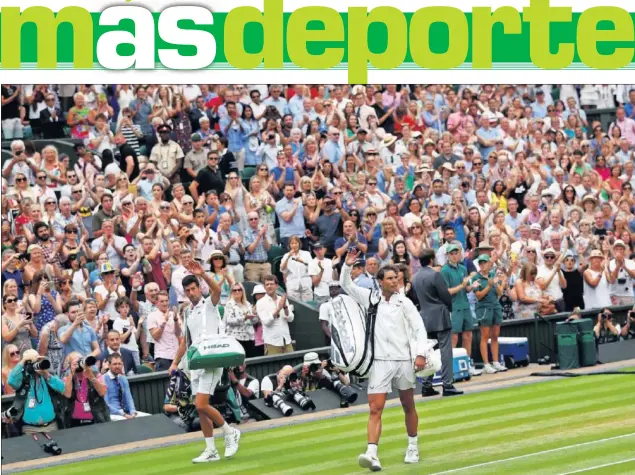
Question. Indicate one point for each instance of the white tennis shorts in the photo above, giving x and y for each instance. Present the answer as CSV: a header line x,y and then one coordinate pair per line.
x,y
385,373
205,381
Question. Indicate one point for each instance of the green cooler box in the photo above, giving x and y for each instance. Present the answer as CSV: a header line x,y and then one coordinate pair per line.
x,y
568,357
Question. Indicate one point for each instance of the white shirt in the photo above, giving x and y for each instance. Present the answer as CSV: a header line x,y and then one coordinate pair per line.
x,y
203,320
399,331
112,298
625,289
553,290
275,331
322,289
297,273
114,258
326,311
122,326
178,273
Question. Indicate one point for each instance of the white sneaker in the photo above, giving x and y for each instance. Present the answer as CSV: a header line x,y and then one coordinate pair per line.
x,y
412,454
474,371
499,367
368,461
231,443
489,369
208,455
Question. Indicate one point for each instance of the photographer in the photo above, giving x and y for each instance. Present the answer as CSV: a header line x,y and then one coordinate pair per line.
x,y
314,374
605,331
179,402
34,399
245,387
86,393
628,330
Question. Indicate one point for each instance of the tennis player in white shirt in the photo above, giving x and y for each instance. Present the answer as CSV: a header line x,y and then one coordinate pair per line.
x,y
400,341
202,319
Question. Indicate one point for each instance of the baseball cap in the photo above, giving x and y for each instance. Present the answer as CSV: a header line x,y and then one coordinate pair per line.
x,y
106,268
483,258
196,138
359,263
318,245
451,248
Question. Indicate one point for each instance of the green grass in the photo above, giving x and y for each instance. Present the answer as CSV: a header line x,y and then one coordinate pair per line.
x,y
454,433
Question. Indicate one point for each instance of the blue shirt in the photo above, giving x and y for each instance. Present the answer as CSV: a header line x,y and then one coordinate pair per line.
x,y
235,136
365,282
118,396
296,105
42,412
514,223
259,254
141,118
296,226
81,339
277,171
489,134
332,151
539,111
280,104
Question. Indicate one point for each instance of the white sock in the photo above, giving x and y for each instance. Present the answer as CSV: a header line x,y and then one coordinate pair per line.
x,y
226,429
209,441
372,450
413,441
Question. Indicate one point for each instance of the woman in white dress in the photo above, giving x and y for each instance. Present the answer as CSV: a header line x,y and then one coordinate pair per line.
x,y
261,201
596,282
295,266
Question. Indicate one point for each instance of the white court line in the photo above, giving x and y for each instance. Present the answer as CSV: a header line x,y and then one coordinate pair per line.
x,y
485,464
599,466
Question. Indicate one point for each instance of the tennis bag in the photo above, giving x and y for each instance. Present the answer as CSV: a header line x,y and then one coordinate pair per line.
x,y
353,334
216,351
212,351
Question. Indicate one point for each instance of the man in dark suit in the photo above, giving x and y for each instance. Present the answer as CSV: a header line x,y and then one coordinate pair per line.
x,y
52,120
113,345
436,304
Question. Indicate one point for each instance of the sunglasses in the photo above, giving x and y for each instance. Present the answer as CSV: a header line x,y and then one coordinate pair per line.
x,y
263,169
549,257
372,184
477,164
188,202
77,191
337,192
20,180
166,207
50,203
233,178
253,219
11,301
530,252
220,258
354,214
14,353
237,290
41,177
71,231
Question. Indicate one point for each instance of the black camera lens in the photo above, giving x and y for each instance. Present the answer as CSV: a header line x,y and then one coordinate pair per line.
x,y
293,377
314,367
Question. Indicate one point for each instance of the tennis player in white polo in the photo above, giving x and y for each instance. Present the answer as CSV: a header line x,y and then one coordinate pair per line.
x,y
400,342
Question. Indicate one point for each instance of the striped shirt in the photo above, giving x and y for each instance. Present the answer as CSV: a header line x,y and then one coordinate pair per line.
x,y
131,137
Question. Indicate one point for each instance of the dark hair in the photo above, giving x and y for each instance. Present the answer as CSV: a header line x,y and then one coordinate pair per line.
x,y
427,256
292,185
113,356
113,331
121,301
269,278
71,303
189,280
37,226
387,268
448,227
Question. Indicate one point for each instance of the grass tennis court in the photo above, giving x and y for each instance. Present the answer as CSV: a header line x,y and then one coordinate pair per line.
x,y
576,425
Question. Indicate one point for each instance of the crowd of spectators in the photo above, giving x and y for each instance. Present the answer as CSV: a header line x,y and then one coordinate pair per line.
x,y
274,184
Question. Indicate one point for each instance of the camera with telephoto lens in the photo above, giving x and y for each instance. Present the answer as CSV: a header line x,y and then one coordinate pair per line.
x,y
84,363
314,368
276,400
347,394
604,316
41,365
631,314
300,398
52,448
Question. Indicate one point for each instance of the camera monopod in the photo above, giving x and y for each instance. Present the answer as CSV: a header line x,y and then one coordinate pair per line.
x,y
50,446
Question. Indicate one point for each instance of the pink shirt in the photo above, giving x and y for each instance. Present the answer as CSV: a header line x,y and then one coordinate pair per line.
x,y
81,408
627,126
166,346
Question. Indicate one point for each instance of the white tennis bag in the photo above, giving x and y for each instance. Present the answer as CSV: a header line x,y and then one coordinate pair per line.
x,y
433,360
353,334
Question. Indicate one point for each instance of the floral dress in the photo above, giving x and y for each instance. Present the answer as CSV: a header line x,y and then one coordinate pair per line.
x,y
22,340
46,313
236,324
523,310
80,131
183,131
